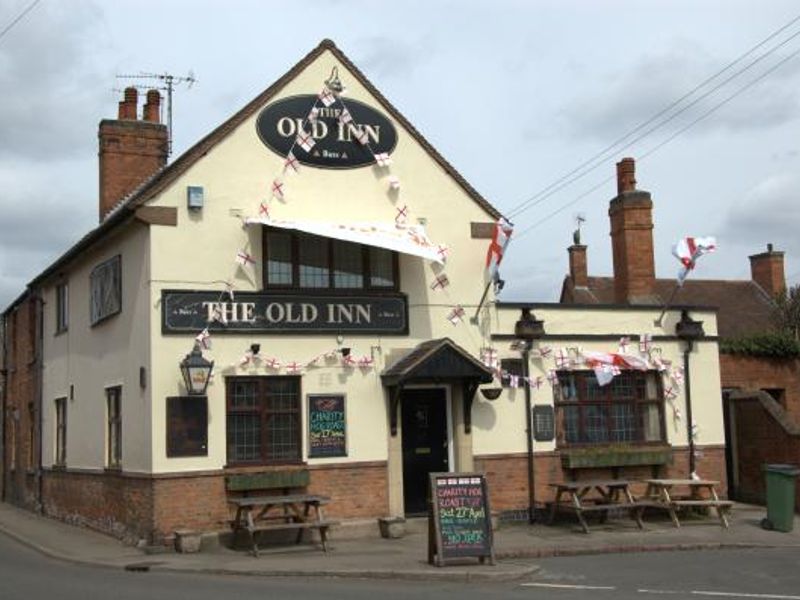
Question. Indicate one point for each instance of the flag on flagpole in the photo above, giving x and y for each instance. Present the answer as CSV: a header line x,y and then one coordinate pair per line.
x,y
501,236
688,250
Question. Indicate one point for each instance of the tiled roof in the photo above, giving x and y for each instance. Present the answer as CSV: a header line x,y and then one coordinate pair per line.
x,y
744,307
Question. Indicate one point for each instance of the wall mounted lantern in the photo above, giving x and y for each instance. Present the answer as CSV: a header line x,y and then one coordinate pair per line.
x,y
196,371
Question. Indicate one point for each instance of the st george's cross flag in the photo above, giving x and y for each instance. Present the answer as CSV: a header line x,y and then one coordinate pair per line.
x,y
688,250
501,236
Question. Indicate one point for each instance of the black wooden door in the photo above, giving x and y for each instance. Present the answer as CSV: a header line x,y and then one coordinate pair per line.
x,y
424,444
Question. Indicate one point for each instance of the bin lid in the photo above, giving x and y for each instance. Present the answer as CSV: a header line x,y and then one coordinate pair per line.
x,y
783,469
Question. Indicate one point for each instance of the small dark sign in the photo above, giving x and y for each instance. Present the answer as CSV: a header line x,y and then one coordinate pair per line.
x,y
543,423
336,142
270,312
187,426
327,434
459,523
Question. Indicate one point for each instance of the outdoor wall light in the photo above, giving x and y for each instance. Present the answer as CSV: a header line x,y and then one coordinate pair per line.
x,y
255,348
196,371
345,351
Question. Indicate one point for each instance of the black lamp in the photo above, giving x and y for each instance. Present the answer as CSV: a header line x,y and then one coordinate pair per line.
x,y
528,328
196,371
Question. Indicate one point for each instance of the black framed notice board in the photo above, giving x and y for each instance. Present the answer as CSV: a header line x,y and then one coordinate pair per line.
x,y
327,425
459,518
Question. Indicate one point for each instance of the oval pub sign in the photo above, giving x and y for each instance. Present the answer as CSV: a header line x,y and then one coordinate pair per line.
x,y
336,144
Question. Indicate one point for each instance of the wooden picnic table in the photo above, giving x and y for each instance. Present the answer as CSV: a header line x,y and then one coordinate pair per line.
x,y
595,495
702,493
270,513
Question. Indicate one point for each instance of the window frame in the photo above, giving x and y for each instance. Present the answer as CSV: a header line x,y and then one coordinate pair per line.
x,y
295,239
114,427
60,446
62,307
605,403
263,412
112,265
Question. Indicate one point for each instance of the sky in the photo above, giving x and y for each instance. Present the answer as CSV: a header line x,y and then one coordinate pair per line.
x,y
515,94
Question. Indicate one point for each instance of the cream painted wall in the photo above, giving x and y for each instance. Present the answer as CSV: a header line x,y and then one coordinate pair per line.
x,y
199,254
93,358
507,413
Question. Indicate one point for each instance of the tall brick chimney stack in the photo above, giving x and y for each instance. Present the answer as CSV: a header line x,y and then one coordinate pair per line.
x,y
631,216
131,149
766,270
578,267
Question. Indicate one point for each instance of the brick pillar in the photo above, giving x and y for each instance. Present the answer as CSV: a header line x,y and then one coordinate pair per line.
x,y
578,268
631,216
131,150
766,270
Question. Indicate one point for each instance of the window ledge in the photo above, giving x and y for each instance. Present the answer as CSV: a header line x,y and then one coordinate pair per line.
x,y
615,456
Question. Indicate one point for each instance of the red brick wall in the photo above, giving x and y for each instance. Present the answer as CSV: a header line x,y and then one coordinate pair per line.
x,y
753,373
507,477
761,441
152,508
21,418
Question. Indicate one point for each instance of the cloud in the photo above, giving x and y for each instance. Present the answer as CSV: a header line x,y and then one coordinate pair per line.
x,y
622,100
770,212
50,81
386,57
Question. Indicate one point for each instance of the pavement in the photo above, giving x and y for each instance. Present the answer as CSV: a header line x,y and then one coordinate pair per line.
x,y
516,547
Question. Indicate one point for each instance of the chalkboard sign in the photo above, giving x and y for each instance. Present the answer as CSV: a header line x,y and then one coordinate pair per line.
x,y
459,523
326,426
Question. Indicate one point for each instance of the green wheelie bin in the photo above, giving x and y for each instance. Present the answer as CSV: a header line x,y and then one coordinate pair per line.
x,y
780,497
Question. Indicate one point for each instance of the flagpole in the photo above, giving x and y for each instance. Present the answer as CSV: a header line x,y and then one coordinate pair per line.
x,y
657,322
474,319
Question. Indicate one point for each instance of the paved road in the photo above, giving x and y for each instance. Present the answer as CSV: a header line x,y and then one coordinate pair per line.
x,y
768,574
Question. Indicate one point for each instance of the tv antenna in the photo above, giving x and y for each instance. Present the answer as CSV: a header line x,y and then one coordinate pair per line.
x,y
579,218
168,82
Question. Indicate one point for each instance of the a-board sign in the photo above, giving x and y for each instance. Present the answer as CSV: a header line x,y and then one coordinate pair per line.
x,y
459,518
327,432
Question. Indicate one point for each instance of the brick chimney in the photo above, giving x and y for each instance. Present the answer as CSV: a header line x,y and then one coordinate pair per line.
x,y
578,267
631,216
766,270
131,150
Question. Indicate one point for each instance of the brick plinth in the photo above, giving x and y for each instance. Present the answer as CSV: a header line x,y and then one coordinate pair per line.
x,y
135,507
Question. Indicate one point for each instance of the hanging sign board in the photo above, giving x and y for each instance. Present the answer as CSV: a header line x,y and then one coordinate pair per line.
x,y
459,523
336,140
326,426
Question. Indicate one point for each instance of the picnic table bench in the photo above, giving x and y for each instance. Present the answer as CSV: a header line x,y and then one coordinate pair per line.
x,y
595,495
273,512
702,494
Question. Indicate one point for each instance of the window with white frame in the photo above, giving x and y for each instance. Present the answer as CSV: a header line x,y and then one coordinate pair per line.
x,y
105,295
62,308
114,426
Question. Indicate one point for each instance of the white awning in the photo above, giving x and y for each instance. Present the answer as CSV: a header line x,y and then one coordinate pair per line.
x,y
407,239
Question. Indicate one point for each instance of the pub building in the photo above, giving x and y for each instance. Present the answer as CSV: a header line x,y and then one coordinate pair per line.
x,y
297,296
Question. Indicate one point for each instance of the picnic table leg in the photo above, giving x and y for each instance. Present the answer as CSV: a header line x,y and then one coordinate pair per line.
x,y
251,528
576,503
670,507
305,518
721,512
636,510
554,507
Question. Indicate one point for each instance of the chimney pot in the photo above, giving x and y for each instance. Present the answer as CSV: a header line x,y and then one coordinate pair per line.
x,y
769,247
626,175
128,106
152,107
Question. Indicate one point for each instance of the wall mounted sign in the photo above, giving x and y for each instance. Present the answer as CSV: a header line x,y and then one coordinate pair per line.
x,y
459,523
327,435
336,146
272,312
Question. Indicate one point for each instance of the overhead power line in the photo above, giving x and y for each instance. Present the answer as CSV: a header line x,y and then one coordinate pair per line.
x,y
21,16
666,141
580,171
